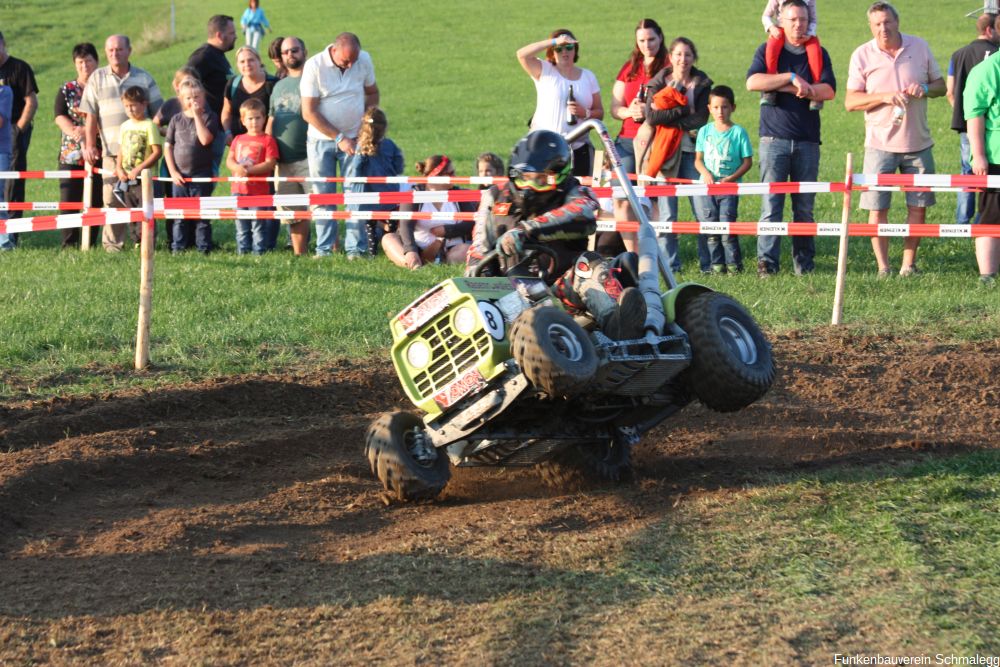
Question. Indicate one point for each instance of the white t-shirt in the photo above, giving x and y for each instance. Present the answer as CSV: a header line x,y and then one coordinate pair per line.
x,y
422,229
552,91
341,94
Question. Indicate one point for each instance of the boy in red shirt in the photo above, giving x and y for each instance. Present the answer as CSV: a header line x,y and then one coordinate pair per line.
x,y
253,154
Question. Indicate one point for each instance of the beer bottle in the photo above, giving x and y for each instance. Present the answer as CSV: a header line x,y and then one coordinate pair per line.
x,y
570,117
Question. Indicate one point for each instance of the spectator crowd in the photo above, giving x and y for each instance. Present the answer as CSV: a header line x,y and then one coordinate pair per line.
x,y
319,116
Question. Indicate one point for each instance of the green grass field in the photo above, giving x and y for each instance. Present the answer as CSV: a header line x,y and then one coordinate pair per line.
x,y
899,558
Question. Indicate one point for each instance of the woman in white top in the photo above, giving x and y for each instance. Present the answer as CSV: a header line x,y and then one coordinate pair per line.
x,y
554,77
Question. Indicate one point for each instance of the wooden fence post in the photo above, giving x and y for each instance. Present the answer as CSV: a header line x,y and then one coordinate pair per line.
x,y
88,203
845,216
146,273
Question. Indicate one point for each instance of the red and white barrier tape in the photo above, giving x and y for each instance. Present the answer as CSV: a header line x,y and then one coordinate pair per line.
x,y
807,229
42,174
118,216
438,196
42,206
358,198
44,223
928,180
232,214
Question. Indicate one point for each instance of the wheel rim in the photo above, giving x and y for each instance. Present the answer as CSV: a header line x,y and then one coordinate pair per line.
x,y
565,342
416,445
739,339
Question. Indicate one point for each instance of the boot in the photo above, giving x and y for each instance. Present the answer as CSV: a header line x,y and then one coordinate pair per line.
x,y
620,313
628,320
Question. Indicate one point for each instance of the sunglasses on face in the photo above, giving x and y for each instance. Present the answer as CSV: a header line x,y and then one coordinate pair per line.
x,y
564,47
287,51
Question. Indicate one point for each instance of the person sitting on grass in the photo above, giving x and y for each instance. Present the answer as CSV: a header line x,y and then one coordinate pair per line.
x,y
419,242
188,153
253,154
489,165
141,147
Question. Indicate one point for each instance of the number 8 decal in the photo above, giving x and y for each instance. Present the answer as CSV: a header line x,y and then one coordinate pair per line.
x,y
493,319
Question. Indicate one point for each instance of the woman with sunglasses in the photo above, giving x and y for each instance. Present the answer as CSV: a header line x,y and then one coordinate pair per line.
x,y
555,77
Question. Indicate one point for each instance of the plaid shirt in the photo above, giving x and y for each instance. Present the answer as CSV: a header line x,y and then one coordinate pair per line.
x,y
103,97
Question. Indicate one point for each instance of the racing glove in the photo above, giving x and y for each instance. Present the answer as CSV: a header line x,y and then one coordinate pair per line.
x,y
511,244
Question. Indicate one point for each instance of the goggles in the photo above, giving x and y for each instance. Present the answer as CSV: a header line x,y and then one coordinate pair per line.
x,y
539,181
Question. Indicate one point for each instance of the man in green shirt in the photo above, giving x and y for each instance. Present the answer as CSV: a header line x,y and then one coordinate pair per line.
x,y
286,125
982,114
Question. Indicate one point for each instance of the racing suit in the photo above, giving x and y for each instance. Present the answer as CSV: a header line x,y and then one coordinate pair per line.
x,y
582,280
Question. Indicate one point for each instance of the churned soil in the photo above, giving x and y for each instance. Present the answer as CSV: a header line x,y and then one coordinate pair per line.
x,y
228,520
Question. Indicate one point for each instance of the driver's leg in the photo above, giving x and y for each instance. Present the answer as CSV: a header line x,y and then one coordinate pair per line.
x,y
591,285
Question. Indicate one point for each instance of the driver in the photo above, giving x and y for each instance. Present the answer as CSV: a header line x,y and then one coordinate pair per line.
x,y
542,203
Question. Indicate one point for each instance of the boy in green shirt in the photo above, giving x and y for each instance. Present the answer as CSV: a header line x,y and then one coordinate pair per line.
x,y
141,147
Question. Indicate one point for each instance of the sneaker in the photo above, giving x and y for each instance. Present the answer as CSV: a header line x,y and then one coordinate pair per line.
x,y
764,269
718,268
769,99
734,268
988,280
885,274
815,105
629,319
908,271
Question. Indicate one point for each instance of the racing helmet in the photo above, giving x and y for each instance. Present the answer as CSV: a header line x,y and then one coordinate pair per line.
x,y
540,167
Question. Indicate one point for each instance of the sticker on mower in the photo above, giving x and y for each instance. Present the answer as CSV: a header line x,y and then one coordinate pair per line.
x,y
423,310
493,318
460,388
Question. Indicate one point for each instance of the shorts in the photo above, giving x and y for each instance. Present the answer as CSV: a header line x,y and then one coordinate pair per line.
x,y
300,168
884,162
989,201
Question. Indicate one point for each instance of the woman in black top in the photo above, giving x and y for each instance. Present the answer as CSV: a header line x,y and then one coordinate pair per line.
x,y
252,82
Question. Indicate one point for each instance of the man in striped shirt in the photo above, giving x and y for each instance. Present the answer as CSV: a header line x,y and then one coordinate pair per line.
x,y
102,102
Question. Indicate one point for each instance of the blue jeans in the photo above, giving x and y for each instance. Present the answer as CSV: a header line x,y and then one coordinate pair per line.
x,y
787,160
722,209
192,233
326,160
626,151
7,241
668,242
966,208
218,151
253,235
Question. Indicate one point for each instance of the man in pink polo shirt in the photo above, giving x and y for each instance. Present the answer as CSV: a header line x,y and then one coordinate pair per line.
x,y
890,79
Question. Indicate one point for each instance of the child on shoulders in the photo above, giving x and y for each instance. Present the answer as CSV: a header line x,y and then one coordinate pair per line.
x,y
776,42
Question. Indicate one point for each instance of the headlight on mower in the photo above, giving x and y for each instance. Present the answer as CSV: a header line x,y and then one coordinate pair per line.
x,y
465,321
418,354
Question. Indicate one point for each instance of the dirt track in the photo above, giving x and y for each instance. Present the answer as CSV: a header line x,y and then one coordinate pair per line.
x,y
249,494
